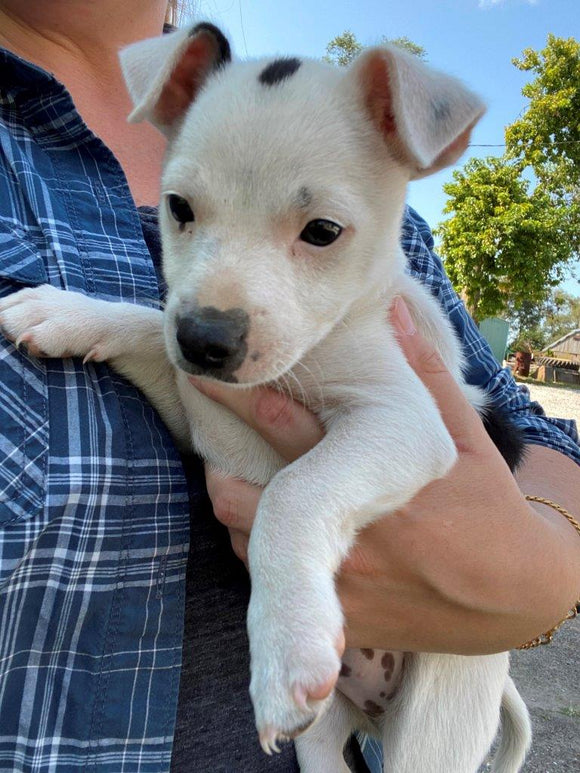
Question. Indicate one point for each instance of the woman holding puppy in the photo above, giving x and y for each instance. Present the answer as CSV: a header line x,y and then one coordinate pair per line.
x,y
93,498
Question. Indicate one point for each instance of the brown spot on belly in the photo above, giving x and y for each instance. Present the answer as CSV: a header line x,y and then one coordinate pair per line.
x,y
388,663
373,709
345,670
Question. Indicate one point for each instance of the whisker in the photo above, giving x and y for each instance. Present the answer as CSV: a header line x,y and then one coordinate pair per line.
x,y
316,381
303,396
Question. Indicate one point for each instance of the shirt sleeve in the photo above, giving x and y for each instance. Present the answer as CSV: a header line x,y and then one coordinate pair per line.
x,y
482,368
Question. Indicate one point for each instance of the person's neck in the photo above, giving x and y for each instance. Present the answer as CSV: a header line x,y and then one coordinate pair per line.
x,y
58,34
78,42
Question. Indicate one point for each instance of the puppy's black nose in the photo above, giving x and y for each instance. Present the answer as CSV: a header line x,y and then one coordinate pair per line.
x,y
214,341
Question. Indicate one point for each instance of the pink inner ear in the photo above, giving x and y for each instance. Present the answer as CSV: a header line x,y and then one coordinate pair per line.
x,y
378,92
188,75
455,150
376,82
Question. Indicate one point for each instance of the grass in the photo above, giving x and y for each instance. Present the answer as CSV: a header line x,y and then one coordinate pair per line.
x,y
551,384
571,711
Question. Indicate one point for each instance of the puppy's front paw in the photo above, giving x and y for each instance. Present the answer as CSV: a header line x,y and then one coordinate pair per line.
x,y
51,323
296,659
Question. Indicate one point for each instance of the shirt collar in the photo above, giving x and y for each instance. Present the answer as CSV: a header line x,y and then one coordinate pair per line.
x,y
19,75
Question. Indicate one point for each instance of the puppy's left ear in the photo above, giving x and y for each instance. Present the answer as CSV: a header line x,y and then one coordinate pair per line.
x,y
164,75
425,116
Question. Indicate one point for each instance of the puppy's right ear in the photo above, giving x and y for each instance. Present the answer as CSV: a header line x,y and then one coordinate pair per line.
x,y
164,75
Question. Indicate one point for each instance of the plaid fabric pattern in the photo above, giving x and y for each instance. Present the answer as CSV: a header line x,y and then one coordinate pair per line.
x,y
482,367
93,500
94,515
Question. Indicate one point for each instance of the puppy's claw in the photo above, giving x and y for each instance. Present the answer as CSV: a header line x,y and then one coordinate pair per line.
x,y
270,737
268,740
91,356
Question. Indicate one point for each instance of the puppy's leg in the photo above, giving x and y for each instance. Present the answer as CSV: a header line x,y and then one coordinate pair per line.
x,y
371,461
446,714
58,323
320,749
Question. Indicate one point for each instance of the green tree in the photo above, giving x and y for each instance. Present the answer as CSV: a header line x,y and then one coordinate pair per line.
x,y
546,138
509,239
503,245
562,314
408,45
343,49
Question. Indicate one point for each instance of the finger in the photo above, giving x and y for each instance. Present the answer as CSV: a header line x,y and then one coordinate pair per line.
x,y
285,424
460,418
234,501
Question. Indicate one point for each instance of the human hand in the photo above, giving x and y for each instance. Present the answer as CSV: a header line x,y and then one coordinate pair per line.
x,y
449,572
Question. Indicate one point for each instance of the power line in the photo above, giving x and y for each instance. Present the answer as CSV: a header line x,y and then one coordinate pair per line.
x,y
547,145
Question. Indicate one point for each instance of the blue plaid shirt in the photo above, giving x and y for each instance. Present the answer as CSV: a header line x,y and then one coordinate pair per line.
x,y
94,520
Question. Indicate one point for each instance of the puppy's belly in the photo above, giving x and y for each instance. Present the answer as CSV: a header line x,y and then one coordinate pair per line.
x,y
370,678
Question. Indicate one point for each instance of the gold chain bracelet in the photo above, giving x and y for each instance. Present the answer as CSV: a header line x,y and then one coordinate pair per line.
x,y
546,638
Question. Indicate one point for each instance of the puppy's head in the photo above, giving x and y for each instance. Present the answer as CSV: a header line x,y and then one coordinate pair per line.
x,y
283,189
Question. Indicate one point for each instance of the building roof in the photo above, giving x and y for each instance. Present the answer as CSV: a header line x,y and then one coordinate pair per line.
x,y
562,338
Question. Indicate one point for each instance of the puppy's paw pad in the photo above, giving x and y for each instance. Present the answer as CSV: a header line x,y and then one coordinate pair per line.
x,y
48,322
304,694
289,694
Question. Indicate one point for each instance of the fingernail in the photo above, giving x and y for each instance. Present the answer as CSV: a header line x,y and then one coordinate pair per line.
x,y
402,318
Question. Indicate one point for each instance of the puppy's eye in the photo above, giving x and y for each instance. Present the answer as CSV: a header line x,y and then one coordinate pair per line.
x,y
180,209
321,233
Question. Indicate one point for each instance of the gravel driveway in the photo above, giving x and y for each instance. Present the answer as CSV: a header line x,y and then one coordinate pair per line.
x,y
562,402
548,678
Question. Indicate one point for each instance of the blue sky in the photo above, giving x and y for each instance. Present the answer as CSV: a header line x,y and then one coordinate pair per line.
x,y
473,39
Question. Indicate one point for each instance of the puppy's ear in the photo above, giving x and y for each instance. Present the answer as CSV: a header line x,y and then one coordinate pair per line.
x,y
425,116
164,75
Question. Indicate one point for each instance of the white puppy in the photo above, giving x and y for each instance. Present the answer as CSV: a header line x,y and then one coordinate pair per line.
x,y
283,192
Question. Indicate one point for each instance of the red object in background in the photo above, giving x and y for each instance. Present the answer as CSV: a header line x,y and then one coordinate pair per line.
x,y
523,362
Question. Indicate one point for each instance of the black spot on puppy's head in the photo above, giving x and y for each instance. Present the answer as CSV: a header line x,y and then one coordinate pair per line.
x,y
278,71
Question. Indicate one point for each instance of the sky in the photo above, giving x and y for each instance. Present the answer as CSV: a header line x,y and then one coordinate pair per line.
x,y
472,39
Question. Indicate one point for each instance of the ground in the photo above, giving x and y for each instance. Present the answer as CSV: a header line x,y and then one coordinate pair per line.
x,y
563,402
548,679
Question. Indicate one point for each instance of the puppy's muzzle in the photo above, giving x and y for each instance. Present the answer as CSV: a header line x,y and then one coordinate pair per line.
x,y
212,341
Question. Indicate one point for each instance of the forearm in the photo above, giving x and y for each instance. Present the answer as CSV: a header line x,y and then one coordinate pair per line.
x,y
469,578
551,475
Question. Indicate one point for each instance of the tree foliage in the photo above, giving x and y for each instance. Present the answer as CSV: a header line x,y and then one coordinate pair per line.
x,y
503,245
542,324
562,315
509,239
343,49
547,136
408,45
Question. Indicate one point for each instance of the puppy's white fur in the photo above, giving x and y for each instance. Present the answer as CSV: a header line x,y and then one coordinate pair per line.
x,y
257,162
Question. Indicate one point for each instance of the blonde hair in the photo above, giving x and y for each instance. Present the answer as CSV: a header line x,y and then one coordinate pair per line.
x,y
172,12
177,10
